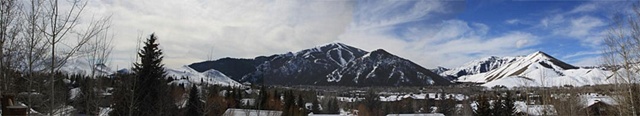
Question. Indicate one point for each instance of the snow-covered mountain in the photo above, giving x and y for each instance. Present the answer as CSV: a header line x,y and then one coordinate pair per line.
x,y
526,65
234,68
79,65
380,68
478,66
538,69
305,67
186,75
439,70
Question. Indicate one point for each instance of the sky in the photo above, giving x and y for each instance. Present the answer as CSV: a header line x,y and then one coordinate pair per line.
x,y
430,33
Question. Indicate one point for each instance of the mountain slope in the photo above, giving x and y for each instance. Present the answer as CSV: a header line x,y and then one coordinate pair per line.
x,y
478,66
541,78
380,68
234,68
539,69
305,67
186,75
80,65
525,65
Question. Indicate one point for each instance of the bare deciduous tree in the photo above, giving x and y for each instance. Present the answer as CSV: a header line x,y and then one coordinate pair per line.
x,y
57,23
9,31
622,56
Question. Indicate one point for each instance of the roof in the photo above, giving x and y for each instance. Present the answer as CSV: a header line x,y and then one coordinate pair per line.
x,y
251,112
590,99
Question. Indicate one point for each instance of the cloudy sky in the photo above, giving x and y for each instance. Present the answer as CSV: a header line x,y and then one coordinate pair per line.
x,y
429,32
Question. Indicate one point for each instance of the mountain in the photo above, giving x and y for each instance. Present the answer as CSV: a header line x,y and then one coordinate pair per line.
x,y
439,70
538,69
234,68
478,66
186,75
79,65
524,65
380,68
305,67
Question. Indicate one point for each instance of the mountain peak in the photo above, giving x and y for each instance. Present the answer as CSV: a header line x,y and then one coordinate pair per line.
x,y
379,51
335,45
381,68
527,64
540,53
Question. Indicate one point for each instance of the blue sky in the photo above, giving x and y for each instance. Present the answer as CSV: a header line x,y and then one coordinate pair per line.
x,y
529,16
429,32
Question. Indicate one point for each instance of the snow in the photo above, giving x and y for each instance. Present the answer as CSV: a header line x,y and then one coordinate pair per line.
x,y
535,110
592,98
477,78
532,110
537,70
211,76
544,77
435,96
479,66
104,111
251,112
81,65
73,93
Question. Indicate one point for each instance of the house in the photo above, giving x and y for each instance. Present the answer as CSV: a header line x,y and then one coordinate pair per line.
x,y
597,104
251,112
11,108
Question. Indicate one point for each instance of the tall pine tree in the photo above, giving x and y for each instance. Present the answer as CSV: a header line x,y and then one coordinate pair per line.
x,y
150,90
484,107
194,104
509,104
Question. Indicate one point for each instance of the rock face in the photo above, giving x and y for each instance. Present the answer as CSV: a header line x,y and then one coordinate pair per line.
x,y
380,68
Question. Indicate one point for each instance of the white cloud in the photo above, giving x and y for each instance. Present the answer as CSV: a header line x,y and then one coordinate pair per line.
x,y
512,21
458,43
584,8
583,26
189,30
422,31
582,53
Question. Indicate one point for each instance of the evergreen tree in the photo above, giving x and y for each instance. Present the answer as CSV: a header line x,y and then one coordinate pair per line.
x,y
123,95
483,106
509,104
498,106
302,104
333,107
290,106
194,104
263,99
315,108
447,105
86,102
150,91
372,103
